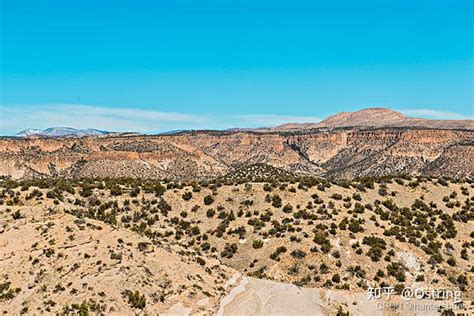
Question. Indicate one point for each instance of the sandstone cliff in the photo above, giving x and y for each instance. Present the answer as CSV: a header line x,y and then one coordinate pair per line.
x,y
345,153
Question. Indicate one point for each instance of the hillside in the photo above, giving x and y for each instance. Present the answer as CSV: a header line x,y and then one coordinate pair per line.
x,y
377,117
143,246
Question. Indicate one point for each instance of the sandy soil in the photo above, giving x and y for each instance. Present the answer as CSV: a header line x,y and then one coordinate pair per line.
x,y
264,297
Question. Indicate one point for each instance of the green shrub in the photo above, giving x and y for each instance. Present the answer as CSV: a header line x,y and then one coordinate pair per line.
x,y
257,244
208,200
135,299
187,196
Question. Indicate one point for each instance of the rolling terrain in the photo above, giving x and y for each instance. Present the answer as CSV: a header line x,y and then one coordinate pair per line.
x,y
227,246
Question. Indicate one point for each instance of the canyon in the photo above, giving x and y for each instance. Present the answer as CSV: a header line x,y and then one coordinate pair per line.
x,y
338,153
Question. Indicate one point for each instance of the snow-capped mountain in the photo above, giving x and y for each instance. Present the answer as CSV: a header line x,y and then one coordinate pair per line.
x,y
61,132
29,132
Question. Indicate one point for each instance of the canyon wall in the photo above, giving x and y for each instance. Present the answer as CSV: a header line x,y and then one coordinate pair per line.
x,y
344,153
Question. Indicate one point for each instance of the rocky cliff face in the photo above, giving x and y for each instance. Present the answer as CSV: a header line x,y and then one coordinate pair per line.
x,y
340,153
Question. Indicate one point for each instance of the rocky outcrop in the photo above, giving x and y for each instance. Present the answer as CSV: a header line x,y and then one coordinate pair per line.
x,y
345,153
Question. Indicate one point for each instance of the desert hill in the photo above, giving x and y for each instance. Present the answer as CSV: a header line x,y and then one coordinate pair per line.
x,y
136,246
377,117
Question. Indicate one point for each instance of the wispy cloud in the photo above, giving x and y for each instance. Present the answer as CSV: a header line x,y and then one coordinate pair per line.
x,y
16,118
436,114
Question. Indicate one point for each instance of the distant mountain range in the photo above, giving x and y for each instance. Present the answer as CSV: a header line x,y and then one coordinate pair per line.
x,y
173,132
376,117
371,117
61,132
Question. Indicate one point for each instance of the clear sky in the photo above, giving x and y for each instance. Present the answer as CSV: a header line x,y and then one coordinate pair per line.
x,y
150,66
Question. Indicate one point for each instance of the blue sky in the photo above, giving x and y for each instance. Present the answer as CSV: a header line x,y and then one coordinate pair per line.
x,y
158,65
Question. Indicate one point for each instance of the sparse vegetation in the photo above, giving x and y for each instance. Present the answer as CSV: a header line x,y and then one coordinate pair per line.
x,y
247,226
